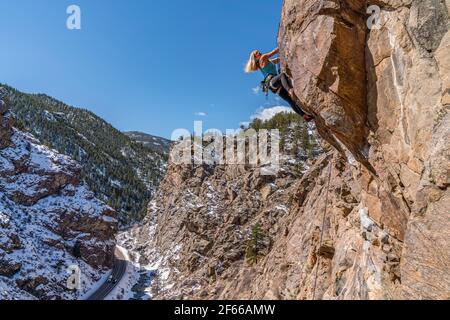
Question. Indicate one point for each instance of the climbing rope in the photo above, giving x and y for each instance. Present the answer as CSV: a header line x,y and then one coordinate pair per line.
x,y
323,227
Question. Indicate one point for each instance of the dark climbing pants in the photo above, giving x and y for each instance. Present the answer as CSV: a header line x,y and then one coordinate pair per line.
x,y
281,85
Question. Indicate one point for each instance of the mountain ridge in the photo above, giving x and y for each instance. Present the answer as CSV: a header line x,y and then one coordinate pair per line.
x,y
49,220
121,172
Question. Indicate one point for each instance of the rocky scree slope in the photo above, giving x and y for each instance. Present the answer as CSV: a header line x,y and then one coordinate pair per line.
x,y
381,100
120,172
49,220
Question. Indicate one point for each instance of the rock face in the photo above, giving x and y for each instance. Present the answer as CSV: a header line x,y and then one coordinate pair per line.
x,y
370,219
49,221
6,120
323,44
202,221
382,95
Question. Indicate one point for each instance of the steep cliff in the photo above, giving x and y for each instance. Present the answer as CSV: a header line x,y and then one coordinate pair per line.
x,y
382,95
49,220
370,218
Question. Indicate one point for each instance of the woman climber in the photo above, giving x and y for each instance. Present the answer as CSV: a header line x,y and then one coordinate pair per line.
x,y
277,82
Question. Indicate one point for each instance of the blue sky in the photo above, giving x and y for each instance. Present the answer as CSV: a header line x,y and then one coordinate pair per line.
x,y
142,64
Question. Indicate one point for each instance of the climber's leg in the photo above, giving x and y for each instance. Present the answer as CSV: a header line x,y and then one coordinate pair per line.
x,y
281,81
276,83
285,96
288,88
287,85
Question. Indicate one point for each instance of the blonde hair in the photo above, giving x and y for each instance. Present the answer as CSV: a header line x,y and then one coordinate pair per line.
x,y
252,64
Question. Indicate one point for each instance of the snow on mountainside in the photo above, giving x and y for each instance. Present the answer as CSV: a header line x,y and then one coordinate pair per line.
x,y
49,220
154,143
120,172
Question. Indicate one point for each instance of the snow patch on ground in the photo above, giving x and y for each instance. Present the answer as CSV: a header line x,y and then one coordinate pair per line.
x,y
366,222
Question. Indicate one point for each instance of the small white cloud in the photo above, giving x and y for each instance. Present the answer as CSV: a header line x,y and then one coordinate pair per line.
x,y
256,90
201,114
265,114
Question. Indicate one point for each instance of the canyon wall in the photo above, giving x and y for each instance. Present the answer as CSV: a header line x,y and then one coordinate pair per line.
x,y
381,95
49,220
370,218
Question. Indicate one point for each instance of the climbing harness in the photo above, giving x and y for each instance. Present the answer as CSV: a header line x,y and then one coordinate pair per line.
x,y
267,84
270,71
323,226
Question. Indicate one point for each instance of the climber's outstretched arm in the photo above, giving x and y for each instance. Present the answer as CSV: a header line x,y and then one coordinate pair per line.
x,y
267,56
274,52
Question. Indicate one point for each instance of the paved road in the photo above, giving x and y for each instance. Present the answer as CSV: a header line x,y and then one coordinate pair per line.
x,y
119,268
